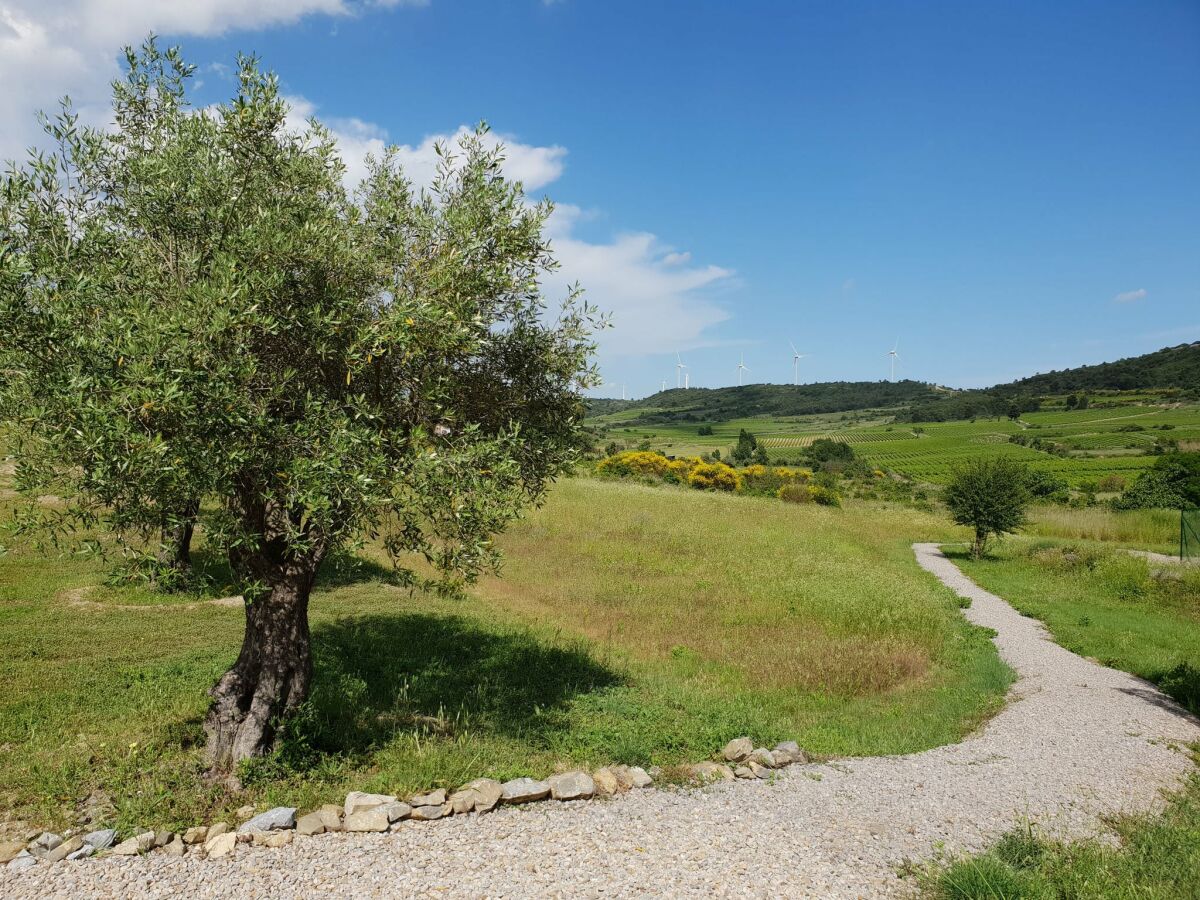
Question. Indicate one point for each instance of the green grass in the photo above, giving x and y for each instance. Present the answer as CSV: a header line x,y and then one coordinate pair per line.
x,y
633,625
1104,604
1116,608
1158,857
1141,529
928,451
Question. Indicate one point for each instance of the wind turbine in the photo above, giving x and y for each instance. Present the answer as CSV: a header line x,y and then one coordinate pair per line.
x,y
664,385
796,357
615,384
741,367
679,367
894,356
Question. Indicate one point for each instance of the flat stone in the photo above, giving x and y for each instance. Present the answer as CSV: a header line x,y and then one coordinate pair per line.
x,y
47,840
759,771
273,839
196,834
572,786
162,838
708,772
488,793
142,843
374,819
82,853
433,798
221,845
10,850
743,772
738,750
525,790
102,839
277,819
310,824
606,782
782,758
175,847
397,811
25,860
790,746
429,813
640,777
63,850
357,801
214,830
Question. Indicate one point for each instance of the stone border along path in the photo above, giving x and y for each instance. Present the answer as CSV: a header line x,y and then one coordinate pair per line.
x,y
1076,742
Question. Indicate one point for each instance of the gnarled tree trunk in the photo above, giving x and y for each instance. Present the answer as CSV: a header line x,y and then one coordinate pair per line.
x,y
175,551
272,674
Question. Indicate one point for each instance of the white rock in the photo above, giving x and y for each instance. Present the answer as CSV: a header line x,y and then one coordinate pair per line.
x,y
572,786
24,860
431,812
640,777
221,845
47,840
310,824
281,817
525,790
274,839
397,811
196,835
763,757
487,791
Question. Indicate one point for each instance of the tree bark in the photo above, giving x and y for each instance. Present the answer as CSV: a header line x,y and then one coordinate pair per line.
x,y
273,671
175,551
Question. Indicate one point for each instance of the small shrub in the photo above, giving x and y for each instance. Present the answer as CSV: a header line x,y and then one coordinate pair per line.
x,y
714,476
795,493
825,496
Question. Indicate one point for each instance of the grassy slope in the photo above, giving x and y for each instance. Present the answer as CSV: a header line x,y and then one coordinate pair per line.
x,y
633,624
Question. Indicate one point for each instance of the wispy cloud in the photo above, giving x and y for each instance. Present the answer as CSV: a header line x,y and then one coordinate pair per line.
x,y
1131,296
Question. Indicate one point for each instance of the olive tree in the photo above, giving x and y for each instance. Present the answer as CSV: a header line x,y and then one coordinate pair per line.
x,y
200,324
988,495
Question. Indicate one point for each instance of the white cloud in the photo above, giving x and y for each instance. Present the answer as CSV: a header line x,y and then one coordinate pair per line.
x,y
49,48
655,306
676,259
1131,296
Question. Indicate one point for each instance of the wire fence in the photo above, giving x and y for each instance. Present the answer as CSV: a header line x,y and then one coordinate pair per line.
x,y
1189,533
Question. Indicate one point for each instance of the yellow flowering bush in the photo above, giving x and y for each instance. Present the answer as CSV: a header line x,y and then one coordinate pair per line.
x,y
758,479
714,476
634,462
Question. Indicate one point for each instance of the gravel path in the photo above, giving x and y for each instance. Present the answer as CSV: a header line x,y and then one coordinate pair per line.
x,y
1077,741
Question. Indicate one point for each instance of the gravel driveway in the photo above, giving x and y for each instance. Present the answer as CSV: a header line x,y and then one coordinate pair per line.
x,y
1077,741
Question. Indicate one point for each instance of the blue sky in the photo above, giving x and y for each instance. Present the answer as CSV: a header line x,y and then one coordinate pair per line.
x,y
1005,188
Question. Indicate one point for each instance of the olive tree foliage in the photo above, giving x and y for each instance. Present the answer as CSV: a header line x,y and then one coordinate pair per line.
x,y
989,496
194,308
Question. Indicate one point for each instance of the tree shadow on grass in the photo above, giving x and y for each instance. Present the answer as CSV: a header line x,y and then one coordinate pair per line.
x,y
380,675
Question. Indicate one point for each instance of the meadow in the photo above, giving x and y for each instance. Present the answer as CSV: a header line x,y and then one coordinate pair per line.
x,y
632,624
1080,446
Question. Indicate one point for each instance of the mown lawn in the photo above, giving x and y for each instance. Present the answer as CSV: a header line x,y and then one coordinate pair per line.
x,y
632,624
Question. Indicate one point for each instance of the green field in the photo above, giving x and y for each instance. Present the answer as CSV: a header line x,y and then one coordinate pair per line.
x,y
1115,441
633,624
